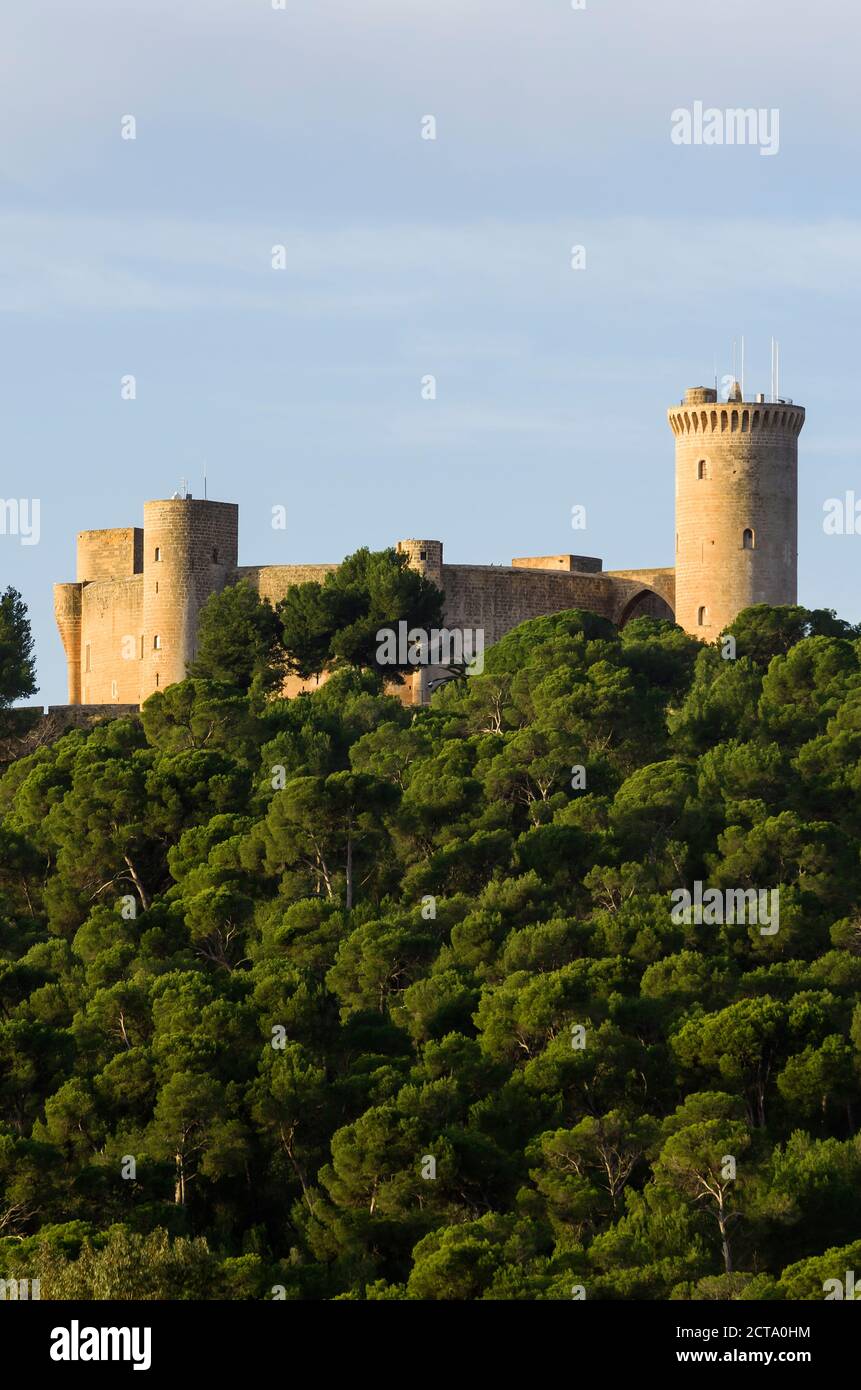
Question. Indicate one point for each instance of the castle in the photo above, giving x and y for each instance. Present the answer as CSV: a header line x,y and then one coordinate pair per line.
x,y
129,621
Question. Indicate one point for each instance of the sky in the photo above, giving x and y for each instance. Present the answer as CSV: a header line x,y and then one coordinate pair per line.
x,y
406,258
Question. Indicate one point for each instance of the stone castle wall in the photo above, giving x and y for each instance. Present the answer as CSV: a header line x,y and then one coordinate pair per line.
x,y
128,635
129,623
111,669
112,554
497,598
273,581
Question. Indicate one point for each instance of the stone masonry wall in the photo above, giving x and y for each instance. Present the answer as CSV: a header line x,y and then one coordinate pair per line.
x,y
111,554
128,636
661,581
111,634
588,564
496,599
273,581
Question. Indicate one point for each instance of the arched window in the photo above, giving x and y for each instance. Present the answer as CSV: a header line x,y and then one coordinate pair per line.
x,y
702,469
215,554
158,552
702,616
156,643
747,539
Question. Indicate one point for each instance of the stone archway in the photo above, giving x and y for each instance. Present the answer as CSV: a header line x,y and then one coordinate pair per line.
x,y
646,604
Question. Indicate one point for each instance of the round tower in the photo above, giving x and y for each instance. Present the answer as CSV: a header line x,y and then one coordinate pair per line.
x,y
736,506
190,549
67,611
424,556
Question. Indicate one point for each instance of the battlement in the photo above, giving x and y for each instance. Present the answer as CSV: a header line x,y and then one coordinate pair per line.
x,y
777,418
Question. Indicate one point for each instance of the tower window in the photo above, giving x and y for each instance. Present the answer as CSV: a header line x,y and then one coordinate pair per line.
x,y
113,690
158,552
702,469
87,666
156,643
702,616
747,539
423,554
215,554
142,646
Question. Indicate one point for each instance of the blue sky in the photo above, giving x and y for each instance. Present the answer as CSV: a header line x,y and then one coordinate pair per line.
x,y
408,257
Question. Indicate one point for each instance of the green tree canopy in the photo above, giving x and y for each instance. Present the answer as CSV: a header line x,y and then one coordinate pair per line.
x,y
337,622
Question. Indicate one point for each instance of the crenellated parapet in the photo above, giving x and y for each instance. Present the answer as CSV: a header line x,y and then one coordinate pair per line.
x,y
743,417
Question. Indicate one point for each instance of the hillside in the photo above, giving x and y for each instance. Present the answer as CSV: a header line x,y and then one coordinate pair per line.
x,y
348,1000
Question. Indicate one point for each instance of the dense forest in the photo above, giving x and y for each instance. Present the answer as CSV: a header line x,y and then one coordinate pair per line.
x,y
332,998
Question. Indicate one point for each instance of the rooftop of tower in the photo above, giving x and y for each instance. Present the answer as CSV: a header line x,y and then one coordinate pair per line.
x,y
707,395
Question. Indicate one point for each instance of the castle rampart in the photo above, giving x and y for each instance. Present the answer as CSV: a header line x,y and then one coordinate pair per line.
x,y
129,623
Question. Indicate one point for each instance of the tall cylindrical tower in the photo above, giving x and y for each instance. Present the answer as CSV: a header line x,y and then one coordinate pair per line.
x,y
190,547
736,506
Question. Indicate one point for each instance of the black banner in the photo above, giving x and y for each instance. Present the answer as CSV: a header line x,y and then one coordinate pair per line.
x,y
86,1339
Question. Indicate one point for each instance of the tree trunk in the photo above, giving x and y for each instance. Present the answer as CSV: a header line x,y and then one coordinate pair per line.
x,y
724,1235
144,897
349,871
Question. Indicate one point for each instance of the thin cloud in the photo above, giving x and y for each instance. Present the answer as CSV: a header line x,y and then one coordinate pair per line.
x,y
96,265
